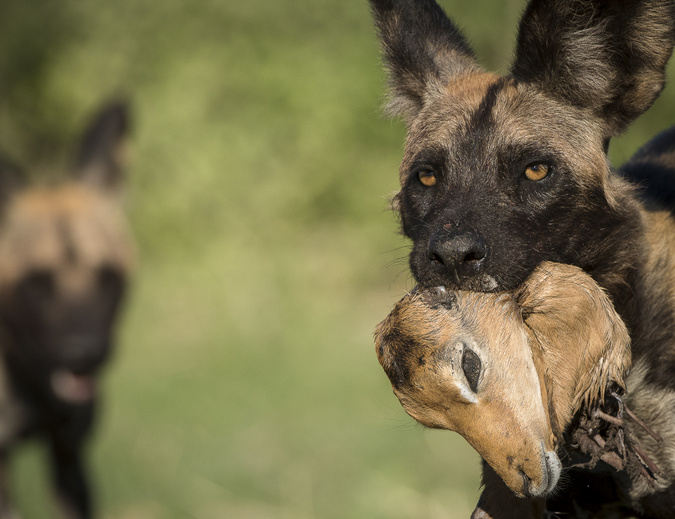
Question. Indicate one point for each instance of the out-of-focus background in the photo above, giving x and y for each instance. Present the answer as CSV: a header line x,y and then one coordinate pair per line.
x,y
245,383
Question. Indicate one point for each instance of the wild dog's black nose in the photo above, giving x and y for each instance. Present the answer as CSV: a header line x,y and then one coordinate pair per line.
x,y
84,353
461,254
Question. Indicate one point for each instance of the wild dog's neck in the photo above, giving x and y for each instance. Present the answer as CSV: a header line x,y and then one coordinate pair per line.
x,y
616,257
647,308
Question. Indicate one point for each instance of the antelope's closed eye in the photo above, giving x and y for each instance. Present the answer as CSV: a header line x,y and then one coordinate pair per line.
x,y
537,171
427,177
471,365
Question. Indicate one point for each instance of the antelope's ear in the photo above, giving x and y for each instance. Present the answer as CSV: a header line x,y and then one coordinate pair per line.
x,y
422,49
101,158
608,56
582,343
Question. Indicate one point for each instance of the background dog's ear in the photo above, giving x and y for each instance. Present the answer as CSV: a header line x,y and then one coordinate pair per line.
x,y
101,157
605,55
422,49
579,341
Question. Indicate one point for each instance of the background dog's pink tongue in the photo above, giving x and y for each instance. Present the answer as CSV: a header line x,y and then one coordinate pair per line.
x,y
73,388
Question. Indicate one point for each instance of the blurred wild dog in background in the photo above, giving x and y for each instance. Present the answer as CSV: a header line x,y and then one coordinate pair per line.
x,y
65,256
502,173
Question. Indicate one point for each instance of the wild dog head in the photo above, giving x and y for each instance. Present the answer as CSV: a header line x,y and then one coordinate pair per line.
x,y
65,254
501,173
507,371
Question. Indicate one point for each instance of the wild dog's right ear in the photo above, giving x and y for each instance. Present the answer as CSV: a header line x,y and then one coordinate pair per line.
x,y
608,56
422,49
101,157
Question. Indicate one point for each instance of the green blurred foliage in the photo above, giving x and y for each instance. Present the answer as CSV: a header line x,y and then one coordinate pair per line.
x,y
246,384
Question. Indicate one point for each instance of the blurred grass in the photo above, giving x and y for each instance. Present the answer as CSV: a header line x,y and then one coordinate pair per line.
x,y
246,384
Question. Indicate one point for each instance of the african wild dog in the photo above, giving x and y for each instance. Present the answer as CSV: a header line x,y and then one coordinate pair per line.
x,y
65,254
501,173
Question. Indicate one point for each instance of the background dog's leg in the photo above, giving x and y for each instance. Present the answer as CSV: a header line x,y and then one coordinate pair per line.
x,y
6,509
66,445
498,502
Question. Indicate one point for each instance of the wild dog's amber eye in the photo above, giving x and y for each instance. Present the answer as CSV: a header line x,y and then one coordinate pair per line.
x,y
427,177
537,171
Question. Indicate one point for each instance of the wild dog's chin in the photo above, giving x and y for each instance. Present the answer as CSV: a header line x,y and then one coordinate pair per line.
x,y
430,275
73,389
482,283
478,283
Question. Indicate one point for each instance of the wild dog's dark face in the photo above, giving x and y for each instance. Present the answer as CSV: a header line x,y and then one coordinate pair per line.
x,y
65,254
502,173
489,191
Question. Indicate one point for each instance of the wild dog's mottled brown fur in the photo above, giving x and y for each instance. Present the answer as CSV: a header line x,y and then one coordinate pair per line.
x,y
583,71
65,255
546,352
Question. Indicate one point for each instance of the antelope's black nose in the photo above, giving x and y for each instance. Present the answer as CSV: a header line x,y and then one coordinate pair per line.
x,y
459,254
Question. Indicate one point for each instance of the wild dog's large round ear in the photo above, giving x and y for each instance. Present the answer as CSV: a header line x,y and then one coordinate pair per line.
x,y
580,343
607,56
101,158
422,49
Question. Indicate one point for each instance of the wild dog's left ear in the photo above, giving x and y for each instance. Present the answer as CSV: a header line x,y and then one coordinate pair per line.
x,y
605,55
101,158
